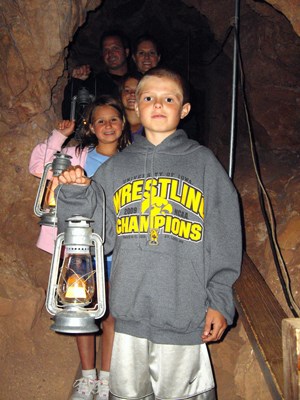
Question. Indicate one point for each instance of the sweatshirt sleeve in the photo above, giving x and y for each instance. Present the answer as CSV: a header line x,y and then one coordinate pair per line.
x,y
223,240
88,201
44,152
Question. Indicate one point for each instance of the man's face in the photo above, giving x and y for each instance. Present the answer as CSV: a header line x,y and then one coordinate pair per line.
x,y
114,53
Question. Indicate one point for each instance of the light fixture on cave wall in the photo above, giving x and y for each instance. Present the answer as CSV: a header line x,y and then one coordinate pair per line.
x,y
76,287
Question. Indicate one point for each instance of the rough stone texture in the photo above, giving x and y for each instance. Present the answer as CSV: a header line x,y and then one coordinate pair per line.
x,y
281,178
271,58
270,52
291,9
238,377
34,361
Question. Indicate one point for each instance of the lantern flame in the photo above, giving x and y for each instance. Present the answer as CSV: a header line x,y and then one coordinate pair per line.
x,y
76,287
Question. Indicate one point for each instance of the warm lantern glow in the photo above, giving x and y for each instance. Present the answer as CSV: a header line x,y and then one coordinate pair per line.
x,y
76,284
49,200
76,287
45,203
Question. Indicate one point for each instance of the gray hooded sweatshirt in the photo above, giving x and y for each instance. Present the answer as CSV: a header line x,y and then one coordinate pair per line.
x,y
173,223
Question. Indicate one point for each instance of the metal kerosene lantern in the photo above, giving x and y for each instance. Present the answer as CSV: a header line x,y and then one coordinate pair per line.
x,y
45,204
79,103
76,289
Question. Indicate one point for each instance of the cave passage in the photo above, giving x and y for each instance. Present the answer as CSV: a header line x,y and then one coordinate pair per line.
x,y
187,44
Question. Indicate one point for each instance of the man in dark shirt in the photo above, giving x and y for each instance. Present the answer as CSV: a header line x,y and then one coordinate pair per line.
x,y
114,51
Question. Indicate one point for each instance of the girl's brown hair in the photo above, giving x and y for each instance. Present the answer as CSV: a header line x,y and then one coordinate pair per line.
x,y
87,138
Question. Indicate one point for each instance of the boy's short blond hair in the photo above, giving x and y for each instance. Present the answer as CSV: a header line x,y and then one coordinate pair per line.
x,y
161,72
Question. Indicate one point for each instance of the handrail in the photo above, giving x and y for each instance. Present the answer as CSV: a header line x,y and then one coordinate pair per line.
x,y
262,315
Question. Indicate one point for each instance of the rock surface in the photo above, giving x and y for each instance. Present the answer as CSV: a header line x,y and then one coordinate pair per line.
x,y
38,363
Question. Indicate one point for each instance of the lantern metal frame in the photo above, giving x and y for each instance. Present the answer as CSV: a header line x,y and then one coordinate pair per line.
x,y
79,103
58,165
76,318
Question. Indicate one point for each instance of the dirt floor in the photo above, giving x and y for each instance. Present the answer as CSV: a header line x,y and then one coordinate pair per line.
x,y
40,364
41,368
46,369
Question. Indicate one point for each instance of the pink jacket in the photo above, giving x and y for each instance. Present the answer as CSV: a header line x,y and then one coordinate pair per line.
x,y
41,155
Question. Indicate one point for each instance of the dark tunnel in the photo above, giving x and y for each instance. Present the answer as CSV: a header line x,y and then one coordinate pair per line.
x,y
187,44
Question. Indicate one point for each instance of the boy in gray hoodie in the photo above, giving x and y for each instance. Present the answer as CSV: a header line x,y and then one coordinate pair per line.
x,y
173,224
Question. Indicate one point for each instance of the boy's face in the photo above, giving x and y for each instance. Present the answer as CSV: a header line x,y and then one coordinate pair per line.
x,y
159,106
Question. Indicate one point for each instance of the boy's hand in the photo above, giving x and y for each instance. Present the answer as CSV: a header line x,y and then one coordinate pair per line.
x,y
74,176
81,72
215,325
66,127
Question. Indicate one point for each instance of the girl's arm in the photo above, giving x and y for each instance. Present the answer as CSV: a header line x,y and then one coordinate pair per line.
x,y
44,152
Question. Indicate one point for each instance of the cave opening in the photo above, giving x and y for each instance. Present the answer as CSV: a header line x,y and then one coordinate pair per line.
x,y
188,45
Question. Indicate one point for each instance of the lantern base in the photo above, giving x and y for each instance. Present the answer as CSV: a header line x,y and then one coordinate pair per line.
x,y
48,219
74,321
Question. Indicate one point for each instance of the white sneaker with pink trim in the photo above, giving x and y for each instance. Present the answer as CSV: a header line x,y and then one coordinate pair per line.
x,y
102,391
84,389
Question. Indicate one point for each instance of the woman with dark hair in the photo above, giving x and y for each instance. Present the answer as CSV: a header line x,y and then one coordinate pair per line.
x,y
146,53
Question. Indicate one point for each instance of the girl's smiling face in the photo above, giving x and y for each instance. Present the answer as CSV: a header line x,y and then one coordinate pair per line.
x,y
106,124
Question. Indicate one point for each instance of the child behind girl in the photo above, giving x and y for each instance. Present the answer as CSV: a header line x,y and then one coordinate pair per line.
x,y
104,135
127,93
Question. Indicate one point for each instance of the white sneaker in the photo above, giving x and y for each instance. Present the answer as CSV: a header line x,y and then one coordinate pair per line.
x,y
102,392
84,389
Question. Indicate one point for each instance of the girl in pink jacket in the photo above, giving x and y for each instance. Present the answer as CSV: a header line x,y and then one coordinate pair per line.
x,y
105,133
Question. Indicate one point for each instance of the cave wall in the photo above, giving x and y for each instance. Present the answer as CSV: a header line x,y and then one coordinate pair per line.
x,y
270,47
270,57
33,47
33,38
270,52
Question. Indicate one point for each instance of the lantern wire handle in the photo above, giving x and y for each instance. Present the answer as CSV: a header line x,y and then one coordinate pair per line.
x,y
56,201
103,209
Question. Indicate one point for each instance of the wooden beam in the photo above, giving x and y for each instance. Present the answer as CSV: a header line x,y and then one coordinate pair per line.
x,y
262,316
291,358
